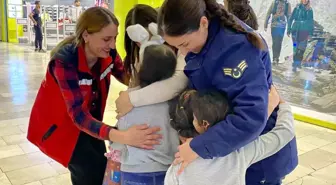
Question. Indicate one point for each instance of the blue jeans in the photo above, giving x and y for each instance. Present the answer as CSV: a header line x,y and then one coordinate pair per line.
x,y
155,178
277,38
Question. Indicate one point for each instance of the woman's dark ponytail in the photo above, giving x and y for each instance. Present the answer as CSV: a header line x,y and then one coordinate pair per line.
x,y
228,20
180,17
243,10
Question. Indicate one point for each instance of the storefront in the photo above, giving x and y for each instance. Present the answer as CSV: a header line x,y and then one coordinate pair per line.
x,y
3,21
56,15
312,88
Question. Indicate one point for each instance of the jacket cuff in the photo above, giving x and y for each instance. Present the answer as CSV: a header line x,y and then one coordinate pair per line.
x,y
134,98
197,146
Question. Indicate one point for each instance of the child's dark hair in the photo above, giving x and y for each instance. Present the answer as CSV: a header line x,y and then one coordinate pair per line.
x,y
210,106
181,115
180,17
139,14
243,10
158,63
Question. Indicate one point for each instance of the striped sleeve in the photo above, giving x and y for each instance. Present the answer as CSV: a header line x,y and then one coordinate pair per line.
x,y
119,72
67,79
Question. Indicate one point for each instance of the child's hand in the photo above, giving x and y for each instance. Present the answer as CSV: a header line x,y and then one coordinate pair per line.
x,y
185,156
123,104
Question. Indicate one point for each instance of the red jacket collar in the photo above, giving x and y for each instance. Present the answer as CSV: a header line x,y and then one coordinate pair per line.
x,y
82,63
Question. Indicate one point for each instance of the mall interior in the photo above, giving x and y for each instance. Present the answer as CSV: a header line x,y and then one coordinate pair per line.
x,y
311,90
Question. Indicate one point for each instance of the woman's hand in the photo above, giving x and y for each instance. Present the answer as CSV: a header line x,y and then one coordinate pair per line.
x,y
273,100
140,136
123,104
185,155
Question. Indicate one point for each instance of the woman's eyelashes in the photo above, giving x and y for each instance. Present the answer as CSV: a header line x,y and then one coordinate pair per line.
x,y
108,39
185,44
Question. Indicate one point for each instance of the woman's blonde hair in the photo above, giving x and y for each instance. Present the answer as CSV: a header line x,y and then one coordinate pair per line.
x,y
92,20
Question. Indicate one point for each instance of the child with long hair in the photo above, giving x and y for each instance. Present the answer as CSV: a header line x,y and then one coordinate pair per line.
x,y
157,62
160,91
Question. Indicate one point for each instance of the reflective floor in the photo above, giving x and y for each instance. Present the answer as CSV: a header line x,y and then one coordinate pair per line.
x,y
21,71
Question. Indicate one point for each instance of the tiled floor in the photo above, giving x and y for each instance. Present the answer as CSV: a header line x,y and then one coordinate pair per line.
x,y
21,163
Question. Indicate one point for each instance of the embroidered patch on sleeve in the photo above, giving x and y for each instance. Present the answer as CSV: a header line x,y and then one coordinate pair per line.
x,y
236,72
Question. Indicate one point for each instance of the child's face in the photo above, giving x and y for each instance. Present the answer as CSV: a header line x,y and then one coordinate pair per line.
x,y
304,2
200,127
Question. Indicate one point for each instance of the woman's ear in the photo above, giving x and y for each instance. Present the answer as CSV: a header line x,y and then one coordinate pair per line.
x,y
85,36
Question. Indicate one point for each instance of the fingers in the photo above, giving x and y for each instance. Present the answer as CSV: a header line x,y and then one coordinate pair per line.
x,y
177,161
182,167
149,144
153,130
152,142
149,131
154,137
177,155
142,127
147,147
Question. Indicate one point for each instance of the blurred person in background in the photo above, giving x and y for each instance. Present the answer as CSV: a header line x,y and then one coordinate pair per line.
x,y
301,28
35,16
75,11
280,10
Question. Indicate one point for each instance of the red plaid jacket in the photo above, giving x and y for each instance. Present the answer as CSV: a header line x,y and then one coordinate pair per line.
x,y
64,101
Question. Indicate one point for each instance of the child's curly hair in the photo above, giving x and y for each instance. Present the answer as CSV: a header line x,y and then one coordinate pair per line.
x,y
211,106
181,115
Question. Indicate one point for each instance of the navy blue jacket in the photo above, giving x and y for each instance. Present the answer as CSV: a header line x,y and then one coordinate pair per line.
x,y
230,63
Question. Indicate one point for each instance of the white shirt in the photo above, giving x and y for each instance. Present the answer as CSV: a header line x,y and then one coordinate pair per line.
x,y
231,169
75,12
164,90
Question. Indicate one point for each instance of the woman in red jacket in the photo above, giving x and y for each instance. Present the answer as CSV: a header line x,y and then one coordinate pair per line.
x,y
66,119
